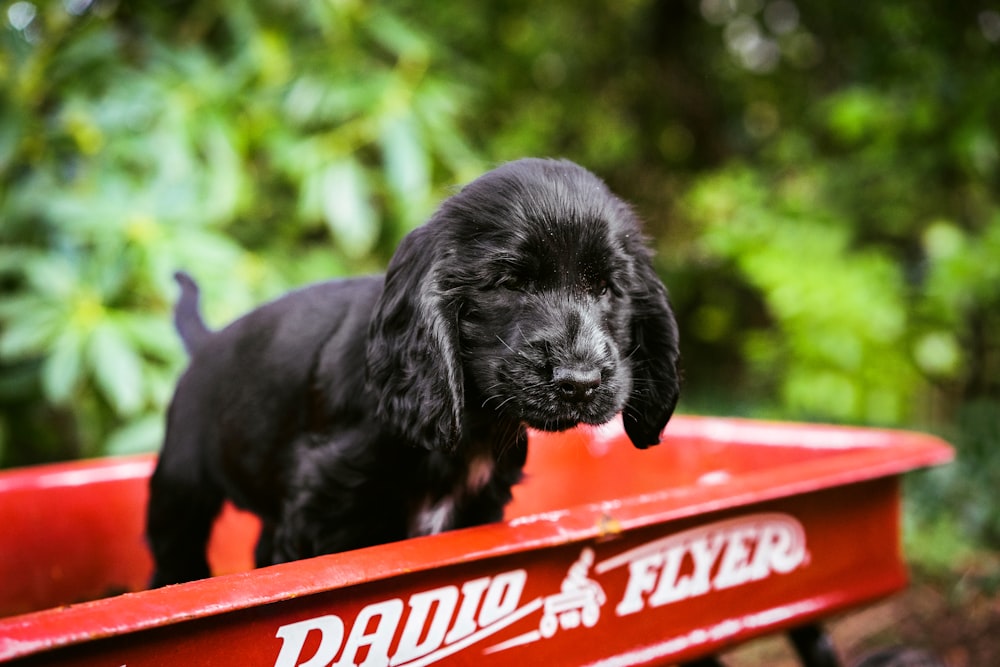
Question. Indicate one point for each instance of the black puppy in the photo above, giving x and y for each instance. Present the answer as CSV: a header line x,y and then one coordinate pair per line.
x,y
363,411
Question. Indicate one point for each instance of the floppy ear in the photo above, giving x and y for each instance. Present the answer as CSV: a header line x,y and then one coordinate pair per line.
x,y
655,358
414,369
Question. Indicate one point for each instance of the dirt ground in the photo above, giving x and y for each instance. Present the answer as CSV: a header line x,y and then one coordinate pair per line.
x,y
959,623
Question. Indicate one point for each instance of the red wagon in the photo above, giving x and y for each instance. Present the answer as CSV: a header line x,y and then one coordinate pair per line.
x,y
728,530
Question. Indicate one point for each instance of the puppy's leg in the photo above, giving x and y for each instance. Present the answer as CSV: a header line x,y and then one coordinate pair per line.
x,y
263,553
181,512
313,524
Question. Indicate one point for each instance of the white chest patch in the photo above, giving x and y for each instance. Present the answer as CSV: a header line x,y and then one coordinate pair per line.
x,y
432,518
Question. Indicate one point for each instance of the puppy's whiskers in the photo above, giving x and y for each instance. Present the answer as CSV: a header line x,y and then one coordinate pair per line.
x,y
499,407
519,353
504,343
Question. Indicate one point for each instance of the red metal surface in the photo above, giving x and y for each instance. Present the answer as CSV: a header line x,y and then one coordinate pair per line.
x,y
609,555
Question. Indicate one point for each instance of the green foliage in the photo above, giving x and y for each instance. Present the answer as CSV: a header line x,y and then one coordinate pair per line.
x,y
257,145
939,545
835,343
864,216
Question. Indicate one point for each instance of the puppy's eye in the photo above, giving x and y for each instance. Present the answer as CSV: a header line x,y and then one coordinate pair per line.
x,y
601,288
595,283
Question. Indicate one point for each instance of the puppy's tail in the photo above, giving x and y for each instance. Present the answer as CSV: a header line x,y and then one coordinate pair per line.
x,y
187,319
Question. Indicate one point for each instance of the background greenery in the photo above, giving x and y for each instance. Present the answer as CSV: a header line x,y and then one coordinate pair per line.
x,y
821,180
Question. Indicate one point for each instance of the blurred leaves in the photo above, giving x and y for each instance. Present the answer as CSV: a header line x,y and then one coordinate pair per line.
x,y
834,340
343,188
256,145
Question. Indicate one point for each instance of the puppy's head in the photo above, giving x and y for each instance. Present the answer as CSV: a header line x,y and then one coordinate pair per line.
x,y
530,296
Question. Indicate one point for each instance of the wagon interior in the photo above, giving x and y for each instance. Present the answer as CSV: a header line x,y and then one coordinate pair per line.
x,y
74,532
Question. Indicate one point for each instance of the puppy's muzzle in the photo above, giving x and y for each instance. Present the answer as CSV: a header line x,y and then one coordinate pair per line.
x,y
576,383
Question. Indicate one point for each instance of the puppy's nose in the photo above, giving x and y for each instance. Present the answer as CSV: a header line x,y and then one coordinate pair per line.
x,y
576,384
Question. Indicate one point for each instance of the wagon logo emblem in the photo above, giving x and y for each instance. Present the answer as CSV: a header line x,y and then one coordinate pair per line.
x,y
577,603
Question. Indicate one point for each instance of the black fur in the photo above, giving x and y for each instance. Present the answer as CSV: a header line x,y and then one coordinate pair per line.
x,y
362,411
